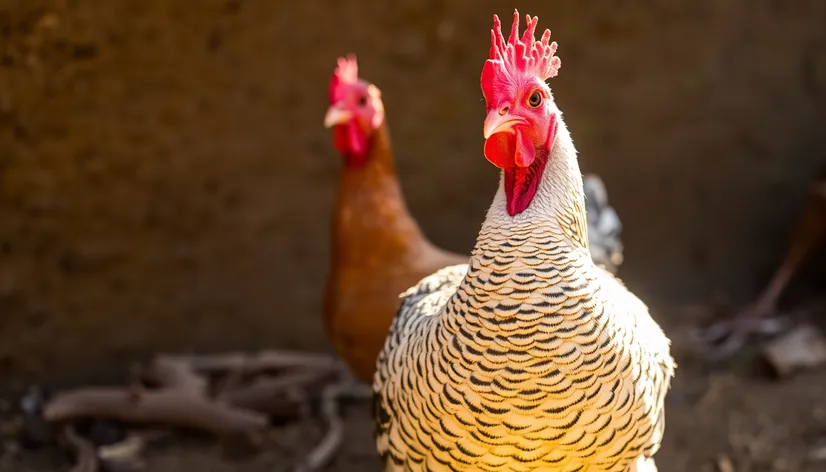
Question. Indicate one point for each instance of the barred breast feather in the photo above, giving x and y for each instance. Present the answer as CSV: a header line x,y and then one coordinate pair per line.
x,y
529,358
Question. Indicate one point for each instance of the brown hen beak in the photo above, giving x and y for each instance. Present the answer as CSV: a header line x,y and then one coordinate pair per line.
x,y
336,116
498,123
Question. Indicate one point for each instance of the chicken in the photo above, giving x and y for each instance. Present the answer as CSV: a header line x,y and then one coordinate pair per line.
x,y
604,225
378,250
727,337
529,357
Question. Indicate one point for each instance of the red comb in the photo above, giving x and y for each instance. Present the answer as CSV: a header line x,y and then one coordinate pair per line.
x,y
526,55
347,72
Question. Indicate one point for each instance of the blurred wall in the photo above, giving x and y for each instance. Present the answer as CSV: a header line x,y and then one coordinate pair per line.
x,y
165,180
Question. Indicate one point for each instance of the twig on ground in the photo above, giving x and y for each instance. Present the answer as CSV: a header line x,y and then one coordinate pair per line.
x,y
86,457
165,406
179,395
129,448
173,373
124,455
265,361
329,445
280,396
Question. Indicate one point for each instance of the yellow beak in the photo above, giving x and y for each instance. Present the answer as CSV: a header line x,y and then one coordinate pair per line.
x,y
496,123
336,116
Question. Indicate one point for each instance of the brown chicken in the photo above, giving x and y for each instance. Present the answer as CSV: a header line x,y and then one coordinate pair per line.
x,y
729,336
378,250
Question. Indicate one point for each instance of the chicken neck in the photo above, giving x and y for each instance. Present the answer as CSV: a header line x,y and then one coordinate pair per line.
x,y
371,222
536,249
558,207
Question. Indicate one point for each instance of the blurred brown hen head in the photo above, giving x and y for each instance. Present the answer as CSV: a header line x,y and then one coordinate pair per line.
x,y
356,112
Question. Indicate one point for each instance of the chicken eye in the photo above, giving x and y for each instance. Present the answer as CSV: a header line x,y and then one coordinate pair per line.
x,y
535,99
362,101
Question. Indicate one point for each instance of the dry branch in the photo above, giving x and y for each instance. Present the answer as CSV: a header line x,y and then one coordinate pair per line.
x,y
166,406
86,457
329,445
181,398
124,455
169,372
279,396
265,361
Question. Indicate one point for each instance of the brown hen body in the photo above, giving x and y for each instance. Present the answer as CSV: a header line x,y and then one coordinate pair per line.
x,y
378,252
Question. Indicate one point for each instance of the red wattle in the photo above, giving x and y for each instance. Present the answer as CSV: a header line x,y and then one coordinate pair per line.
x,y
515,153
525,150
552,128
358,141
521,184
351,142
500,149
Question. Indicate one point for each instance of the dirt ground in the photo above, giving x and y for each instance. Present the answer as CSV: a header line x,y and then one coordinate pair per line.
x,y
738,413
166,184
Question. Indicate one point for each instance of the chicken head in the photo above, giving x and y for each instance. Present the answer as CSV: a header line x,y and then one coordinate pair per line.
x,y
356,112
522,119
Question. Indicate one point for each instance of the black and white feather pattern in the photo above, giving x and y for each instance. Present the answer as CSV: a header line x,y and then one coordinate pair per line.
x,y
528,358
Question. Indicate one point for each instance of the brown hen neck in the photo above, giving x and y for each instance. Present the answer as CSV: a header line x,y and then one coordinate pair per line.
x,y
370,209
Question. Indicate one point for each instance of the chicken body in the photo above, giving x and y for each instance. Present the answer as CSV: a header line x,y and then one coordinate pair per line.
x,y
378,252
529,358
378,249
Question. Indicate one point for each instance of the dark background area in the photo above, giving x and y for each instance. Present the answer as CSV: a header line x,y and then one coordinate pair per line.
x,y
166,181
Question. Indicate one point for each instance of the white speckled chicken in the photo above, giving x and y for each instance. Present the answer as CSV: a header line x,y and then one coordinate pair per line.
x,y
530,357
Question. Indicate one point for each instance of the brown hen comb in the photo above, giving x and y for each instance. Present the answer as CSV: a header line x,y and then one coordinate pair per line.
x,y
526,54
347,72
